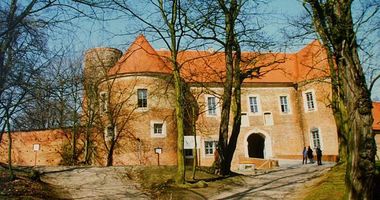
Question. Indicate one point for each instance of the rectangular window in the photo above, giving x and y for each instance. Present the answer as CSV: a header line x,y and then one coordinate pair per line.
x,y
268,119
284,104
310,102
253,105
211,105
244,120
316,138
142,98
103,103
158,128
210,147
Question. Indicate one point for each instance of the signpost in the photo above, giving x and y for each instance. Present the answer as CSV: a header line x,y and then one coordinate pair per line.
x,y
36,148
158,151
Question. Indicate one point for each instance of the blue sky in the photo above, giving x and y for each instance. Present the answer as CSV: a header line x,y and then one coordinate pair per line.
x,y
93,33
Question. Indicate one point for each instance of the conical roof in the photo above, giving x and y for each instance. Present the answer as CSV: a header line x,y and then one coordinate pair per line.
x,y
139,58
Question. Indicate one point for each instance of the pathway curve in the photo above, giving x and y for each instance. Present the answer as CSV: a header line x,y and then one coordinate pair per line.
x,y
281,183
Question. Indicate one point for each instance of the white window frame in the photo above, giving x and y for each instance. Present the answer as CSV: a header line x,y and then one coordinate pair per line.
x,y
152,130
312,140
259,112
103,102
214,147
271,118
244,119
306,103
289,110
138,98
207,106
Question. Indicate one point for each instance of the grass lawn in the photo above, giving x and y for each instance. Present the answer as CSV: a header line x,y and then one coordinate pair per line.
x,y
331,186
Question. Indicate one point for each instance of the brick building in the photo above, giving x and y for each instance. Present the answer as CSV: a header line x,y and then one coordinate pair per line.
x,y
284,110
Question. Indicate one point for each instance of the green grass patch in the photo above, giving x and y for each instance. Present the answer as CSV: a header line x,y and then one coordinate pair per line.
x,y
331,185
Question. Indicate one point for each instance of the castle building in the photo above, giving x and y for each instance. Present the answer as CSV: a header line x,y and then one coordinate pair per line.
x,y
284,110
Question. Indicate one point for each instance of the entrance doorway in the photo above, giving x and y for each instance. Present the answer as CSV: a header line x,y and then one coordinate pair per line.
x,y
256,145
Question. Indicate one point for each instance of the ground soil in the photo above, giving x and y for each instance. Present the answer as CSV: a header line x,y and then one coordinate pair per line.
x,y
23,187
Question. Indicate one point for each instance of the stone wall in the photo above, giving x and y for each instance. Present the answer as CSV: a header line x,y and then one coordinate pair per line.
x,y
50,147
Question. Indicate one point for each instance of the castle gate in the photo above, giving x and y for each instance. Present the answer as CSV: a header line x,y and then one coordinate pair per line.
x,y
256,145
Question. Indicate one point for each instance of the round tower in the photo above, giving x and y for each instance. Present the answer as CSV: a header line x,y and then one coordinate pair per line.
x,y
98,61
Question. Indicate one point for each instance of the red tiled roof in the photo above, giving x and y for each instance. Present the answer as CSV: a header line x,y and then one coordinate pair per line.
x,y
376,115
209,67
140,57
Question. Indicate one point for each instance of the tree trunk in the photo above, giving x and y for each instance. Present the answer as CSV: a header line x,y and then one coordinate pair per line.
x,y
87,148
11,174
225,118
110,154
236,110
73,145
180,179
231,11
333,22
224,155
195,150
361,144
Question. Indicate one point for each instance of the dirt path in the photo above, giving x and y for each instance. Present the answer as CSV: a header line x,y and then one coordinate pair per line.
x,y
118,183
282,183
93,183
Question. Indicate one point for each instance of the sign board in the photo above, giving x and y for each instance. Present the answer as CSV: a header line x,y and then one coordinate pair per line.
x,y
189,142
158,150
36,147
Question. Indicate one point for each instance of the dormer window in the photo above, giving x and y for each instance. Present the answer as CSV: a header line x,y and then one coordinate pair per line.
x,y
142,98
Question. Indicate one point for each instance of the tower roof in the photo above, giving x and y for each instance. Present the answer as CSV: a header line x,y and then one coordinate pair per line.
x,y
139,58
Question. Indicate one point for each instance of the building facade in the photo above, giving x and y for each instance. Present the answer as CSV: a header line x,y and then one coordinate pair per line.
x,y
284,110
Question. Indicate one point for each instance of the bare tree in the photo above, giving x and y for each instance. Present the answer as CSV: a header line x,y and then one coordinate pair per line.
x,y
350,96
229,25
170,30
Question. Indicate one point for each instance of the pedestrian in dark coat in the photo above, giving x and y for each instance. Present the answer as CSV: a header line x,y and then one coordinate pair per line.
x,y
310,154
304,156
319,156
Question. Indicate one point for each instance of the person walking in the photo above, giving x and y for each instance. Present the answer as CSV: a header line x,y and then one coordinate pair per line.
x,y
319,156
304,156
310,154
